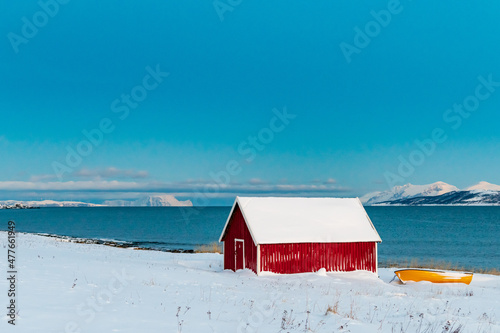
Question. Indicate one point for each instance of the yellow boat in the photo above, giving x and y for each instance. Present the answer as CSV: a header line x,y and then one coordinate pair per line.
x,y
416,275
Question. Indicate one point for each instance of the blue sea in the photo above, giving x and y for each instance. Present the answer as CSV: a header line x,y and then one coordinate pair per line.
x,y
464,236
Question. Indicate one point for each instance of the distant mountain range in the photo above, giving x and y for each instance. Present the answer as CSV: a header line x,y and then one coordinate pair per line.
x,y
13,204
160,200
440,193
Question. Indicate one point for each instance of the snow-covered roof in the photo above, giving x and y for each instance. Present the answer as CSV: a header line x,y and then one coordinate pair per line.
x,y
305,220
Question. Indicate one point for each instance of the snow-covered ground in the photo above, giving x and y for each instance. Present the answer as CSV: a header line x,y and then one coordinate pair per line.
x,y
68,287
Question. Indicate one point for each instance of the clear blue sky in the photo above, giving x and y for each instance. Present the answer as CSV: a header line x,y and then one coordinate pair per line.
x,y
354,119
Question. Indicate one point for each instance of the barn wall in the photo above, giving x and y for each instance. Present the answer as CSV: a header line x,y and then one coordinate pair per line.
x,y
237,228
310,257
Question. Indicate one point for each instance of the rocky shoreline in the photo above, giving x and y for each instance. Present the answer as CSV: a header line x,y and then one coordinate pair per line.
x,y
132,245
18,206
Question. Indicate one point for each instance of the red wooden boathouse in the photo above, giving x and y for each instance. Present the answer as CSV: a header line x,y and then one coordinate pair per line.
x,y
297,235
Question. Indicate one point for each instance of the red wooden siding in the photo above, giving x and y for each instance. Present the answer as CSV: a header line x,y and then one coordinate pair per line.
x,y
310,257
238,229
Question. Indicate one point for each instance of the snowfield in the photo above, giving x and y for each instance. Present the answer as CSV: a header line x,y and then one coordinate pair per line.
x,y
69,287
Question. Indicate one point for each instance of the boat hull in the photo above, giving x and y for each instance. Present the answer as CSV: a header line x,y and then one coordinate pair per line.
x,y
417,275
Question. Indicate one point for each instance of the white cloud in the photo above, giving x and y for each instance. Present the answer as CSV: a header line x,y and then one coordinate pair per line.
x,y
66,186
46,177
110,172
331,181
257,181
95,174
180,188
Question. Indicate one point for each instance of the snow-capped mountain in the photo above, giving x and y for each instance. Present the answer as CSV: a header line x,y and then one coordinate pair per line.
x,y
438,193
160,200
45,203
408,191
483,186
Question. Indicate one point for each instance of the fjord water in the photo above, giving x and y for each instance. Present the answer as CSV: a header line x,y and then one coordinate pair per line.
x,y
463,236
